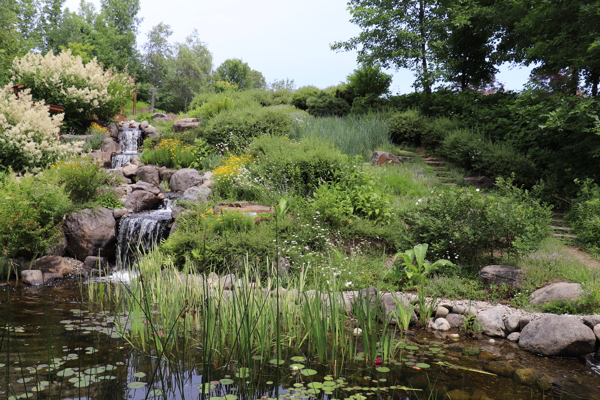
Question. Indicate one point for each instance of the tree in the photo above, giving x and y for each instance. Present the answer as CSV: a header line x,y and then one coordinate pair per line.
x,y
158,53
28,15
399,34
189,73
117,30
235,71
9,40
282,84
50,20
258,80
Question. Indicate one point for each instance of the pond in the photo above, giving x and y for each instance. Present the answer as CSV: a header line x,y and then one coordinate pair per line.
x,y
56,345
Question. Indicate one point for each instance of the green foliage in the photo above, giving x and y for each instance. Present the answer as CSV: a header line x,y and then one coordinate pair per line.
x,y
301,96
352,135
31,210
585,215
233,130
463,224
81,179
325,105
435,130
211,108
414,266
94,142
406,127
173,153
108,200
237,72
352,195
298,167
367,82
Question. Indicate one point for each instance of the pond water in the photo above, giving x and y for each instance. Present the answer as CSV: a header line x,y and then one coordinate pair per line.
x,y
54,345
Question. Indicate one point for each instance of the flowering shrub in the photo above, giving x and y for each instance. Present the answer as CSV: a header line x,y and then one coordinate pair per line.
x,y
95,129
234,180
29,137
172,153
85,90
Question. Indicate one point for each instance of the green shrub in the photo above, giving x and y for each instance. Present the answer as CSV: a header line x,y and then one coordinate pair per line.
x,y
170,153
406,127
301,96
435,130
31,211
211,108
585,215
81,179
298,167
463,223
326,105
282,96
233,130
354,195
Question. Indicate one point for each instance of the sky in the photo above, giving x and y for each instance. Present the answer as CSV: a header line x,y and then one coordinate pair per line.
x,y
280,38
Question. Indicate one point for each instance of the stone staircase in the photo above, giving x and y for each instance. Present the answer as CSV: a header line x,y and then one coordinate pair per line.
x,y
439,167
560,227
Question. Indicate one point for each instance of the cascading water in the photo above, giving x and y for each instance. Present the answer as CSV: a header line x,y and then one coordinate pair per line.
x,y
130,140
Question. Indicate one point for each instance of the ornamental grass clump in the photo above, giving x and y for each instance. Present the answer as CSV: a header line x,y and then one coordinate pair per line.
x,y
29,137
86,91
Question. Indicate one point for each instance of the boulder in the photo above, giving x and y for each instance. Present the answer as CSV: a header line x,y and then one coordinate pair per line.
x,y
501,274
482,182
441,312
512,323
148,173
591,320
110,145
455,320
388,303
184,179
150,130
144,125
141,200
119,213
166,174
185,124
228,281
91,232
101,156
491,321
384,158
369,294
557,291
32,277
148,187
94,262
113,130
197,194
514,337
161,117
597,331
52,276
558,335
59,265
440,324
524,320
526,376
130,170
133,124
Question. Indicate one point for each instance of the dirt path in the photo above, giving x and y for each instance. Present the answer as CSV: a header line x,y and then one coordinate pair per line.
x,y
582,257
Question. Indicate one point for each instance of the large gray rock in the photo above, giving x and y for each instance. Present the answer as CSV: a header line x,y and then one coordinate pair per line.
x,y
591,320
148,173
91,232
59,265
32,277
597,331
130,170
110,145
440,324
482,182
501,274
455,320
161,117
557,291
492,322
388,303
197,194
93,262
148,187
186,124
512,322
141,200
558,335
166,174
113,130
184,179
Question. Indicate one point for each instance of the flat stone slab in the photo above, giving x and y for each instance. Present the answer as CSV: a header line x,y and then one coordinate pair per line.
x,y
557,291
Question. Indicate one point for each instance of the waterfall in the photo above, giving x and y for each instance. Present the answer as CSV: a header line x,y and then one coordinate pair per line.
x,y
130,140
139,233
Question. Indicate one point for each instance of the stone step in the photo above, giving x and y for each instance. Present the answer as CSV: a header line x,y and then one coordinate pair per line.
x,y
560,228
560,221
445,178
564,236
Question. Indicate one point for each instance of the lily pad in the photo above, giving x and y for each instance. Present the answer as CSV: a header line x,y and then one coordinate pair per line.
x,y
139,374
308,372
276,361
226,381
298,359
136,385
382,369
422,365
297,366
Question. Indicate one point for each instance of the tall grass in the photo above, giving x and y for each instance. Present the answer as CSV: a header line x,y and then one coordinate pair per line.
x,y
353,135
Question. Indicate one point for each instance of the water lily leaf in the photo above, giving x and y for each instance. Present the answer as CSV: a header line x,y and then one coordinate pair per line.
x,y
412,347
276,361
298,385
230,397
298,359
382,369
422,365
139,374
136,385
315,385
24,380
269,382
297,366
226,381
65,373
308,372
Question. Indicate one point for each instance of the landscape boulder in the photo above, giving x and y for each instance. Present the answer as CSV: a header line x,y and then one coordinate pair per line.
x,y
32,277
501,274
557,291
185,124
440,324
110,145
91,232
59,265
141,200
94,262
197,194
558,335
148,187
384,158
149,174
113,130
492,322
150,130
161,117
165,174
130,170
184,179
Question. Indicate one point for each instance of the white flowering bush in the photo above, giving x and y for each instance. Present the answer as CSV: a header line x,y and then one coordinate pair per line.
x,y
29,136
85,90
